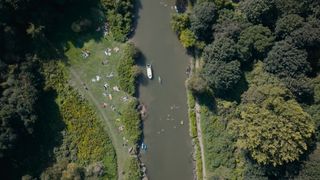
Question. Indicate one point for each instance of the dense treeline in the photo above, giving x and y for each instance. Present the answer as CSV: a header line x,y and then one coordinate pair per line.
x,y
32,32
263,56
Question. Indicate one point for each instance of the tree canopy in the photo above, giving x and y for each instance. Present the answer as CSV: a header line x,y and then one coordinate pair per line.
x,y
285,60
258,11
287,24
254,42
222,49
202,18
222,76
271,126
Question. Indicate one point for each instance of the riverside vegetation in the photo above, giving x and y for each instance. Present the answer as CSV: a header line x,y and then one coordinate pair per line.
x,y
257,84
49,130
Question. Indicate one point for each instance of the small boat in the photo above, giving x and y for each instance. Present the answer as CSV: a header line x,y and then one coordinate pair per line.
x,y
143,146
149,71
159,79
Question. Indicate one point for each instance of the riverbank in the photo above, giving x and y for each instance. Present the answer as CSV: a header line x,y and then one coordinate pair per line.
x,y
195,125
97,79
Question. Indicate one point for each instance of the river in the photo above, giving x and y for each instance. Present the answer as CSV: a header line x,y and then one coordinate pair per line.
x,y
166,128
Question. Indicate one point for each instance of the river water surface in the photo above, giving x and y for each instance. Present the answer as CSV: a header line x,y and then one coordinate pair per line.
x,y
166,129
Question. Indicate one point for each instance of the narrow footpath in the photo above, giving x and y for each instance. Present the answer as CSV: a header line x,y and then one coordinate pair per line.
x,y
199,132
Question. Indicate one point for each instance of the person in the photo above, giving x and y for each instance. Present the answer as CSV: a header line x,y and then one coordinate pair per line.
x,y
188,70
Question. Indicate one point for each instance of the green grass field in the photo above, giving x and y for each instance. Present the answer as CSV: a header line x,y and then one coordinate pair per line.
x,y
84,72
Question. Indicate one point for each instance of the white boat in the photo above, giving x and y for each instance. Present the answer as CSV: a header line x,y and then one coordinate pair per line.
x,y
149,71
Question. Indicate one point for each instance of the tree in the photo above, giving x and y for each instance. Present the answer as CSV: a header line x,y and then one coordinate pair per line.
x,y
187,38
271,126
311,168
180,22
73,172
197,84
230,24
222,76
18,99
255,42
294,7
285,60
202,18
259,11
287,24
222,49
301,87
308,35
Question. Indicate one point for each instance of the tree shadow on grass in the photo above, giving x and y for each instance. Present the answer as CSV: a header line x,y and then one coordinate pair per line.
x,y
68,22
207,99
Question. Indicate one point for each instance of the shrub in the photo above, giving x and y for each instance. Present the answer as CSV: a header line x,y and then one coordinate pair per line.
x,y
187,38
85,138
127,71
132,169
197,84
130,118
180,22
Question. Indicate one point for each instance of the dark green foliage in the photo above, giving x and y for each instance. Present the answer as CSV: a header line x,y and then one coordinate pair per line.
x,y
222,76
254,42
308,35
311,168
126,71
229,24
301,87
42,29
202,18
81,25
259,11
287,24
270,106
295,6
119,17
285,60
222,49
19,95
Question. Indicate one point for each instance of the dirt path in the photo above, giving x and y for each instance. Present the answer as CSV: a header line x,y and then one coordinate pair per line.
x,y
121,152
199,132
199,129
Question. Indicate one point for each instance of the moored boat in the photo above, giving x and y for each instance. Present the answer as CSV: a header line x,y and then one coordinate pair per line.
x,y
149,71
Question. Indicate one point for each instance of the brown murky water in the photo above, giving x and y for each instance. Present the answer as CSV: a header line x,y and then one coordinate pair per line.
x,y
166,128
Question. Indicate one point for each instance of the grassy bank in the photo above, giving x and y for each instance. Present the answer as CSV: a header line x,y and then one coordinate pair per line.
x,y
194,135
97,78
